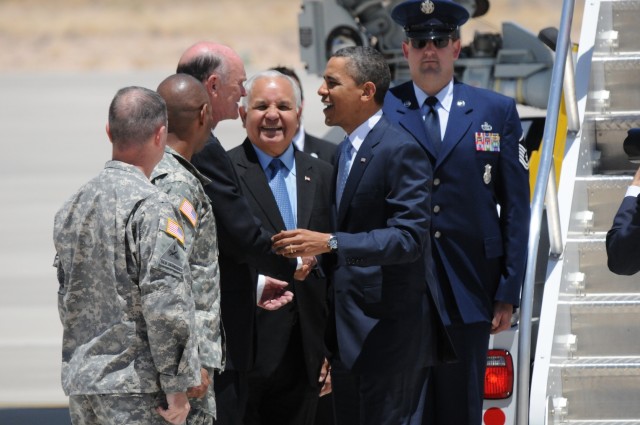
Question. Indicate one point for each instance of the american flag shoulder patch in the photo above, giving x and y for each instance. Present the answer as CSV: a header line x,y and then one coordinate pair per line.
x,y
175,230
186,208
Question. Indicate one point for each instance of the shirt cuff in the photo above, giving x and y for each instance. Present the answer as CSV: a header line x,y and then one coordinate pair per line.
x,y
299,260
633,191
259,288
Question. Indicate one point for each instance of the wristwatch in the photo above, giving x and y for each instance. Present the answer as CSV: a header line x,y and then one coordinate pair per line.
x,y
332,243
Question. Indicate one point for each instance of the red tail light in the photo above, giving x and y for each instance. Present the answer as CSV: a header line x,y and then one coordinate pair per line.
x,y
498,378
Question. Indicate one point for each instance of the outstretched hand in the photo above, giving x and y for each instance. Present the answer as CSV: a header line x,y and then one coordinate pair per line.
x,y
300,242
274,294
308,264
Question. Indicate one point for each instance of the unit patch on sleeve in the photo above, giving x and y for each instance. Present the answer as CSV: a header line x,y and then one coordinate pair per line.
x,y
186,208
172,258
523,157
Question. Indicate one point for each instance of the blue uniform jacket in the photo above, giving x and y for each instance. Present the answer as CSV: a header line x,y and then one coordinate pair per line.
x,y
480,199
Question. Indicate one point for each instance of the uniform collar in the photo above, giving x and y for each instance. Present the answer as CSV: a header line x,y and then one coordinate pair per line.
x,y
445,96
358,135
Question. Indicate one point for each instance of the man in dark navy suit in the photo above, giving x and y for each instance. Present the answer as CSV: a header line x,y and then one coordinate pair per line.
x,y
623,239
480,202
244,246
385,330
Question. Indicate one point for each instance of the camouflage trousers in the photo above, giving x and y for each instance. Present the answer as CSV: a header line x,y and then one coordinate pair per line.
x,y
116,409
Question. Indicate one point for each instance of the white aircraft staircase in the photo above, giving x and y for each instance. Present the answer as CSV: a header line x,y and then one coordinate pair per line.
x,y
586,361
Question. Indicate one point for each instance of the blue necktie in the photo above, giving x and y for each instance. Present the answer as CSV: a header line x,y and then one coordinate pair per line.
x,y
432,121
343,169
279,189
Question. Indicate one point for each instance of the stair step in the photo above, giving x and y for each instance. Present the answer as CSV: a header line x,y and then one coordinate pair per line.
x,y
605,303
593,276
605,325
603,422
604,194
601,388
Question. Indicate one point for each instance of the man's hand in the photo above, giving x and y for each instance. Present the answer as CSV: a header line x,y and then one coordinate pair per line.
x,y
502,313
325,378
308,263
178,409
274,294
300,242
201,390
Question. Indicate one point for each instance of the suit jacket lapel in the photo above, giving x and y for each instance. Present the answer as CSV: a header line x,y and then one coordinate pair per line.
x,y
410,117
459,123
306,182
258,186
360,162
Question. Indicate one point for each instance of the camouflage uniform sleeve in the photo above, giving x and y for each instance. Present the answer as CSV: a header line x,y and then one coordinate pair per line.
x,y
202,248
167,301
60,275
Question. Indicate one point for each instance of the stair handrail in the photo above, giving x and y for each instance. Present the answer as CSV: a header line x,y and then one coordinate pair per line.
x,y
544,179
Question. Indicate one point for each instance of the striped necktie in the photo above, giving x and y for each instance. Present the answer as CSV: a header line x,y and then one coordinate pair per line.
x,y
343,168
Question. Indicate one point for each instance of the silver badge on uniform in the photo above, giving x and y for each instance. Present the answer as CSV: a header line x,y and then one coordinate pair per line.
x,y
461,103
486,177
486,126
407,103
427,7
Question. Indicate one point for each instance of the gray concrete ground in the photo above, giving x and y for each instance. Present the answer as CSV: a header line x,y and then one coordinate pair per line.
x,y
53,129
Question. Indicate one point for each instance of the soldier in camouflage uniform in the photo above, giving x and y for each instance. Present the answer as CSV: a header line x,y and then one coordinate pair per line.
x,y
129,346
189,128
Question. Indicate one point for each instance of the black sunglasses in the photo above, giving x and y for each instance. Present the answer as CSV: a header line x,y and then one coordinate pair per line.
x,y
439,42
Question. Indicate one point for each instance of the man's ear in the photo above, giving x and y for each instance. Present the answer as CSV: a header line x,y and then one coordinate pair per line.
x,y
405,49
457,48
204,111
368,91
212,84
108,130
243,116
160,137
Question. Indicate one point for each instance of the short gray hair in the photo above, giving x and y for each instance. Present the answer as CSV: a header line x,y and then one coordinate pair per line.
x,y
248,86
135,114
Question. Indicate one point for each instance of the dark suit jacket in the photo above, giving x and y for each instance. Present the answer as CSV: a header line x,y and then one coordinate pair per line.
x,y
243,246
320,148
623,239
479,254
309,306
385,316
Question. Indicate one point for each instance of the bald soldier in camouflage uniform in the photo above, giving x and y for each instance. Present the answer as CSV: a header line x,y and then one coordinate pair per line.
x,y
129,350
190,122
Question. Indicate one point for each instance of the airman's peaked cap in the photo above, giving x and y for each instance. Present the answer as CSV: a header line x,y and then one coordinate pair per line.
x,y
424,18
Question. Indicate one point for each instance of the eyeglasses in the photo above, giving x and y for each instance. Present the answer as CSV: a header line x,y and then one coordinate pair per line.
x,y
439,42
